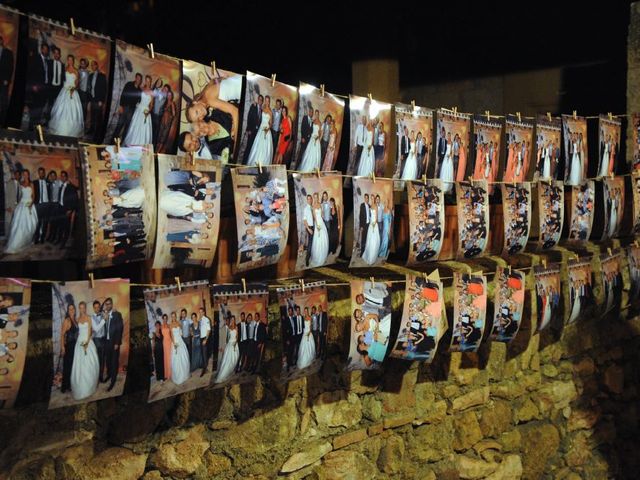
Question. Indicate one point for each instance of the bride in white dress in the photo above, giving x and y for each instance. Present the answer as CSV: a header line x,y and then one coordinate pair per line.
x,y
179,204
24,220
446,169
262,149
67,117
320,244
613,217
546,314
180,366
604,161
575,309
410,170
307,348
575,176
230,356
372,247
140,130
133,198
367,158
86,366
312,157
546,163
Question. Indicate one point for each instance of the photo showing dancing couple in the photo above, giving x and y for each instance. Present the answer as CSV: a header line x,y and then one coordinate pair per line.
x,y
609,144
304,322
241,327
319,217
121,204
613,201
261,197
576,153
372,221
452,149
426,221
548,144
189,216
550,207
269,122
145,99
15,300
487,133
516,211
547,279
66,80
508,304
582,205
469,311
635,140
210,117
612,282
473,218
519,142
424,320
370,324
320,119
633,259
9,29
90,340
182,338
581,298
43,205
414,130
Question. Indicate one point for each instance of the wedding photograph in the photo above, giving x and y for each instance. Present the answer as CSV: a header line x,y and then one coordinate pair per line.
x,y
453,131
319,218
582,205
414,132
613,201
469,311
548,147
612,282
581,298
516,213
9,30
90,323
426,221
576,152
635,140
519,143
635,189
633,260
145,99
547,293
473,218
487,133
609,128
508,304
188,211
550,213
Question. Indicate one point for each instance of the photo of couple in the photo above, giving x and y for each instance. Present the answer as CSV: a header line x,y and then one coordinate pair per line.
x,y
426,221
319,217
633,259
67,79
508,304
414,129
473,218
469,311
9,29
488,135
635,188
548,131
452,147
516,208
519,134
581,298
550,213
609,128
635,140
145,101
90,340
582,205
576,152
612,282
547,293
613,200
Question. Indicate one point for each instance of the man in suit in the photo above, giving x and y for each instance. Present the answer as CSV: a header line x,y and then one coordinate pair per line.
x,y
6,75
261,340
254,118
288,332
57,71
129,98
404,148
41,194
11,197
205,339
114,328
68,207
38,81
97,97
361,130
242,342
306,129
276,122
159,102
364,220
309,224
325,134
297,334
442,148
323,324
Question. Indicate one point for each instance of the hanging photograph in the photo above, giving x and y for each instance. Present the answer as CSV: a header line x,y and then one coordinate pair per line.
x,y
635,188
90,340
611,265
473,218
320,118
547,293
550,213
209,119
414,129
145,99
372,221
269,122
635,140
426,221
582,204
609,144
370,324
508,304
452,150
576,153
15,300
487,133
633,259
469,311
121,204
319,217
613,200
240,331
9,30
516,210
519,139
304,321
548,135
261,197
581,299
43,215
189,211
424,321
182,336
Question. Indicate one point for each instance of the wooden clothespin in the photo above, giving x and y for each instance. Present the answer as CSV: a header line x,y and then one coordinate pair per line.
x,y
575,114
273,79
117,140
322,89
544,263
72,26
244,285
213,68
40,134
372,280
318,172
609,251
413,104
549,116
151,52
471,180
636,244
193,157
302,284
424,178
488,114
610,115
509,267
426,277
373,176
519,117
260,167
455,110
91,283
179,284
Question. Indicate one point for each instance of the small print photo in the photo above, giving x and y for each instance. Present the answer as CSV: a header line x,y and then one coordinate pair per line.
x,y
633,258
453,132
635,188
582,204
508,304
548,147
613,199
609,144
581,298
469,311
519,135
9,30
547,294
550,213
516,209
414,129
576,153
611,281
487,134
426,221
473,218
635,140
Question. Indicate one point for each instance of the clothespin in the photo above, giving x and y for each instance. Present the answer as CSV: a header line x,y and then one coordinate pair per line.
x,y
40,134
609,251
544,263
636,244
373,177
244,285
369,97
424,178
455,110
117,140
318,172
372,280
575,114
179,284
193,157
549,116
509,267
72,26
610,116
471,180
322,89
302,284
519,117
260,167
413,104
213,67
426,278
151,52
273,79
91,279
488,114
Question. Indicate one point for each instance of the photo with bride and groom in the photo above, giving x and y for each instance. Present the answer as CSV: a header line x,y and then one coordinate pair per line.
x,y
582,205
452,147
581,298
469,311
90,322
550,207
508,304
516,208
612,281
519,144
609,145
547,293
548,145
9,32
414,131
610,211
576,151
487,133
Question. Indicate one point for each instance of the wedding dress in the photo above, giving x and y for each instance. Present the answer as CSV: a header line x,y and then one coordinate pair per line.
x,y
446,170
410,170
320,244
372,247
140,130
179,204
307,348
367,162
312,154
229,358
262,149
86,366
575,175
67,117
133,198
180,366
23,223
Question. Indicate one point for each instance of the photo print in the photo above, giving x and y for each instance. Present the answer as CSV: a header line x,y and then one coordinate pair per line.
x,y
548,147
370,324
182,337
452,150
304,321
426,221
372,221
189,211
487,133
550,213
261,197
519,143
469,311
613,200
121,204
611,265
633,259
15,300
635,188
66,81
582,204
269,122
319,217
320,119
581,298
508,304
547,293
414,129
576,153
9,30
210,117
43,215
242,326
516,208
90,340
609,144
473,218
145,99
635,141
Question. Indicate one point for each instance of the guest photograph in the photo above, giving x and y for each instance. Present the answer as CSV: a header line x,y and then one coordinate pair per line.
x,y
261,197
547,294
145,99
66,80
189,212
304,323
370,324
633,260
15,299
582,206
269,122
635,189
469,311
241,331
210,117
473,218
609,129
9,28
516,212
414,132
121,211
612,282
550,207
426,221
452,147
613,202
487,134
182,338
90,340
576,152
373,213
519,141
319,217
635,140
548,145
581,298
508,304
320,118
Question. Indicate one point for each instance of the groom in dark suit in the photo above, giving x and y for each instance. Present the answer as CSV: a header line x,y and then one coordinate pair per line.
x,y
323,324
288,332
364,219
306,128
442,148
38,81
114,329
129,98
6,75
254,118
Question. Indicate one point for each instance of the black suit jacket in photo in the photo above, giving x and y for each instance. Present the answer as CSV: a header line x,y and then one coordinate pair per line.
x,y
36,72
6,65
70,200
363,215
442,147
130,95
261,334
36,191
306,128
100,90
116,327
253,118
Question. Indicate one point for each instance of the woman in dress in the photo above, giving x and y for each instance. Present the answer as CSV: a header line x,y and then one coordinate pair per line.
x,y
462,161
367,160
86,366
604,161
167,347
546,161
196,343
68,339
575,309
387,220
230,356
180,354
133,198
546,307
479,167
410,169
180,204
158,351
613,215
140,130
336,227
24,221
285,136
262,149
372,246
446,169
307,347
166,121
329,157
312,157
575,174
67,117
320,245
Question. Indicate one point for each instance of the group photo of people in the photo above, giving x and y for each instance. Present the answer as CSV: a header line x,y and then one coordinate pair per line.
x,y
613,200
550,213
487,133
582,202
547,294
612,282
9,25
414,132
508,304
182,337
469,311
519,142
516,211
635,189
373,221
633,260
609,146
90,340
319,218
452,147
576,153
426,221
635,140
370,324
304,323
548,132
473,218
581,297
